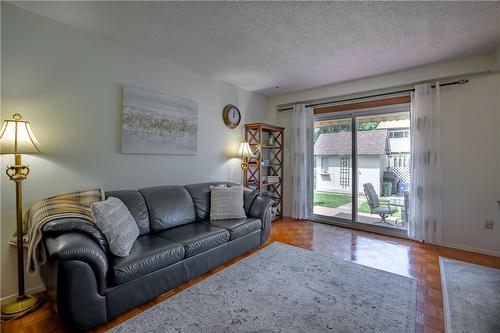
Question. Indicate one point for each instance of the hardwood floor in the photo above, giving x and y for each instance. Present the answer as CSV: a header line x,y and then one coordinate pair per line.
x,y
391,254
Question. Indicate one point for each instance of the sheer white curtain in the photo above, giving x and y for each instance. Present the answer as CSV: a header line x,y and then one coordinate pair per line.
x,y
425,198
301,135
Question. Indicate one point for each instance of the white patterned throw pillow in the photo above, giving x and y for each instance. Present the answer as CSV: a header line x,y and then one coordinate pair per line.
x,y
226,203
117,224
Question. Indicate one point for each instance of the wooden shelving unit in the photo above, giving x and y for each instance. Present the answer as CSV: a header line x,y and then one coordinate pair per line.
x,y
265,171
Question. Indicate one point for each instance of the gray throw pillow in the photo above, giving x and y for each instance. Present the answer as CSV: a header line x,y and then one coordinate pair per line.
x,y
226,203
117,224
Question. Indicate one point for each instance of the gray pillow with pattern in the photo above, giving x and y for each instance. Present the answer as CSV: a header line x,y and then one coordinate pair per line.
x,y
226,203
117,224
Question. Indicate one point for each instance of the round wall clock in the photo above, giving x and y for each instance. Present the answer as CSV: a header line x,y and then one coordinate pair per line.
x,y
231,116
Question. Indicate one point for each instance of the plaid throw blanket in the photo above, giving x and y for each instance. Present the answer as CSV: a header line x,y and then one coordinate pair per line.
x,y
76,204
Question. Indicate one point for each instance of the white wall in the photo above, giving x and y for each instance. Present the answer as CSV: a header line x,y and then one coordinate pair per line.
x,y
399,145
370,168
470,139
68,84
471,163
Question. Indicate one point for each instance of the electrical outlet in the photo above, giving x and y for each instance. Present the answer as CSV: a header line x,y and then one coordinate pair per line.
x,y
488,224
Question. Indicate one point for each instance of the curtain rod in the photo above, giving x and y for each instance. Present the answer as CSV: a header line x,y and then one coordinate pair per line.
x,y
459,82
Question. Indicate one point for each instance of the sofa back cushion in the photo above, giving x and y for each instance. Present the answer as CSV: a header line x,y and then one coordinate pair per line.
x,y
168,206
137,207
200,193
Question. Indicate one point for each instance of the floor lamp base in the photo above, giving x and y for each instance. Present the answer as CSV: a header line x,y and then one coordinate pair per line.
x,y
21,307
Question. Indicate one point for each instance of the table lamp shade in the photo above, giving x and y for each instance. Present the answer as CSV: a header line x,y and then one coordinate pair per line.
x,y
245,150
16,137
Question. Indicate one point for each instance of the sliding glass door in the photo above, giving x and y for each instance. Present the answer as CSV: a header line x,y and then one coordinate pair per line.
x,y
333,175
362,169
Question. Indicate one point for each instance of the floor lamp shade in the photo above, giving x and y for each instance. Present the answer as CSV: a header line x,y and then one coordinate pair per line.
x,y
16,137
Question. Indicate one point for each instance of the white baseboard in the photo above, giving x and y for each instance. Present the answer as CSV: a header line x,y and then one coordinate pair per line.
x,y
469,248
13,297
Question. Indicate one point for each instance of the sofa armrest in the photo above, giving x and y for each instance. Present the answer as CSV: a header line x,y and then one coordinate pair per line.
x,y
261,208
61,226
76,246
248,198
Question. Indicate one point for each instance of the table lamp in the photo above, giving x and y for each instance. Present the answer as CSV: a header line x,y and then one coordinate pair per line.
x,y
16,137
245,152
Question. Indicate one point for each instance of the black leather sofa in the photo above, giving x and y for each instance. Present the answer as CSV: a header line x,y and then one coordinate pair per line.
x,y
177,242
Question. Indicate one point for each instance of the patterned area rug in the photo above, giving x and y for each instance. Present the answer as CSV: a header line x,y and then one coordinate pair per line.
x,y
287,289
471,296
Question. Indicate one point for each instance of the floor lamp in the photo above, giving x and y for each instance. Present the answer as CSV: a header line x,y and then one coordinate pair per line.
x,y
245,152
16,137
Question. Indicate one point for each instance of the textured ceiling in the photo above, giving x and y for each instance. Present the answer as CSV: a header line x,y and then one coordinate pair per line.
x,y
293,45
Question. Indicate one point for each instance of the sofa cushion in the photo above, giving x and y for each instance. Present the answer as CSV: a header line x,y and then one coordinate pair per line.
x,y
238,227
196,237
169,206
148,254
200,193
137,207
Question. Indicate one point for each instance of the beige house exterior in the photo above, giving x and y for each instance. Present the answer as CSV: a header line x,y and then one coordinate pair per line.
x,y
333,160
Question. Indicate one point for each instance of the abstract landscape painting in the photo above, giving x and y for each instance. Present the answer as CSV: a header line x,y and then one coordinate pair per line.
x,y
154,123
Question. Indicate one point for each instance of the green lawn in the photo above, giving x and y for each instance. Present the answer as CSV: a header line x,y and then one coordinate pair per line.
x,y
364,208
331,200
334,200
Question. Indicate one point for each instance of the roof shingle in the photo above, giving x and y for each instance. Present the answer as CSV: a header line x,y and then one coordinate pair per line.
x,y
369,143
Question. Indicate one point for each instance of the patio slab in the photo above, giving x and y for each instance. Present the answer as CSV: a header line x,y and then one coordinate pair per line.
x,y
365,218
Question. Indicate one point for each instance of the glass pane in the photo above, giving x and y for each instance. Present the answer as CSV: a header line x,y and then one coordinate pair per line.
x,y
383,160
333,168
